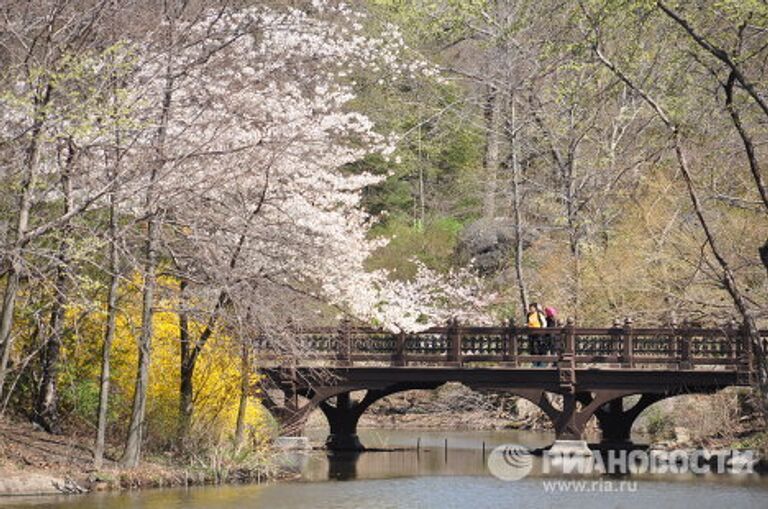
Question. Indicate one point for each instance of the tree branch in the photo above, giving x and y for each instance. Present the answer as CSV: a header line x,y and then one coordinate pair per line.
x,y
748,145
717,52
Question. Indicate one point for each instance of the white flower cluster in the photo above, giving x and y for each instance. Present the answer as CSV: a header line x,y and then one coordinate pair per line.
x,y
257,133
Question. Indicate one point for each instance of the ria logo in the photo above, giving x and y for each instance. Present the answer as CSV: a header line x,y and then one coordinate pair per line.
x,y
510,462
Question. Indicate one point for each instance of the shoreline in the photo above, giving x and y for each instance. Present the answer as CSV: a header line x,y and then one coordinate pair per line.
x,y
36,483
34,463
15,482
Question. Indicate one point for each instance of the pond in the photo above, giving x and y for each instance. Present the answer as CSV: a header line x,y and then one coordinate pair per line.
x,y
435,477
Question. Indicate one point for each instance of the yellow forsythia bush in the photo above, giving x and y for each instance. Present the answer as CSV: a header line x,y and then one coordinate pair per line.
x,y
216,379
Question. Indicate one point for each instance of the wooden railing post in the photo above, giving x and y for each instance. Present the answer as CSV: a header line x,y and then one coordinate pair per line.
x,y
566,363
510,344
398,358
747,360
454,342
627,353
344,343
685,347
672,342
568,341
732,340
616,348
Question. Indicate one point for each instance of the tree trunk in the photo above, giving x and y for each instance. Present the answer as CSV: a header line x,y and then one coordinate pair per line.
x,y
190,351
109,332
728,279
245,371
109,336
187,371
493,115
719,53
749,147
6,319
132,452
22,223
574,240
516,212
46,409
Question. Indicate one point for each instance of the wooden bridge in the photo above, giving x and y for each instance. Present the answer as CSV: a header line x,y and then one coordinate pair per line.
x,y
612,374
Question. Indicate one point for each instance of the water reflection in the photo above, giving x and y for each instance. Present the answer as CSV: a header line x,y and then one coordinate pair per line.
x,y
414,454
342,466
391,464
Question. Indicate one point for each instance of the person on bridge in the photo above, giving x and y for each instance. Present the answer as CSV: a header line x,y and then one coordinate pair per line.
x,y
536,320
550,314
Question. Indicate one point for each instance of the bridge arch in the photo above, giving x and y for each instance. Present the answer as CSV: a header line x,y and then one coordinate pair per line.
x,y
569,420
584,393
341,411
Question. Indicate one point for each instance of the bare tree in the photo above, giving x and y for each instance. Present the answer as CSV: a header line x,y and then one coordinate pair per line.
x,y
728,278
46,409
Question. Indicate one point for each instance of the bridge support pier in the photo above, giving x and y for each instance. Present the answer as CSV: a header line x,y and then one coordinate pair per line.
x,y
570,420
344,416
616,423
578,407
342,420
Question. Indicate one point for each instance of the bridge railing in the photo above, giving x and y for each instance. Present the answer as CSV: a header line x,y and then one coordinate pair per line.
x,y
619,346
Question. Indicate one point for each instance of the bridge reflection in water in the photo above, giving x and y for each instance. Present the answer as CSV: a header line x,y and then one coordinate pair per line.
x,y
395,454
589,371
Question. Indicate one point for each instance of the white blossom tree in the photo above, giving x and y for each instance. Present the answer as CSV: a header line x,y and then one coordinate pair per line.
x,y
247,192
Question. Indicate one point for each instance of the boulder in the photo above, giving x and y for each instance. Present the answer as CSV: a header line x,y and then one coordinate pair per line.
x,y
487,244
36,484
682,436
292,443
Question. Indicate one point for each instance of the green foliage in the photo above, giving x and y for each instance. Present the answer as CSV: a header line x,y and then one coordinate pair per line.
x,y
437,155
431,179
429,22
85,97
432,243
80,397
659,425
756,442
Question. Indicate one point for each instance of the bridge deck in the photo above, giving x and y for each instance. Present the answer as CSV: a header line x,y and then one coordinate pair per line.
x,y
505,378
591,371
